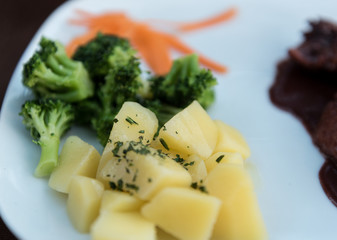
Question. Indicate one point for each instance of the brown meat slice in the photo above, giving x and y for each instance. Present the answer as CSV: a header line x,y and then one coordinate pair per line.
x,y
319,49
326,132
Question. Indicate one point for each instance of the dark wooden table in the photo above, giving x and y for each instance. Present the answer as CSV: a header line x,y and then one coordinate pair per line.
x,y
19,20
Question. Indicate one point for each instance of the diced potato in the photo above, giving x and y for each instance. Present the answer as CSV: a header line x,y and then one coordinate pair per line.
x,y
230,140
133,122
122,226
197,168
223,157
189,132
77,158
84,201
117,201
143,171
185,213
239,216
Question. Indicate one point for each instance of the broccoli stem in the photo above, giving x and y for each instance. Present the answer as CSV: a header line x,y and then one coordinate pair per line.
x,y
49,156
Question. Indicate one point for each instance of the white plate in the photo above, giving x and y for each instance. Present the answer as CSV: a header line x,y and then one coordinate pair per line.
x,y
291,198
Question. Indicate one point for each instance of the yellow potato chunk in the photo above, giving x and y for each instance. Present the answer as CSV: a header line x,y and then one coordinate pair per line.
x,y
116,201
77,158
133,122
239,216
223,157
189,132
196,167
143,171
122,226
230,140
84,201
186,214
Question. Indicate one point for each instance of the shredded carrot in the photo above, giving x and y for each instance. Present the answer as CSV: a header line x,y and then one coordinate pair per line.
x,y
176,44
154,46
81,40
222,17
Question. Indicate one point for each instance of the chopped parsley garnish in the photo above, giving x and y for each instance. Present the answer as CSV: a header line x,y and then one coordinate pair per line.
x,y
130,120
132,186
114,121
141,131
178,159
162,141
200,187
118,145
218,160
189,164
118,186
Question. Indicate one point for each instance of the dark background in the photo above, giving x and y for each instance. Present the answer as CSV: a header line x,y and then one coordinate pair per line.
x,y
19,20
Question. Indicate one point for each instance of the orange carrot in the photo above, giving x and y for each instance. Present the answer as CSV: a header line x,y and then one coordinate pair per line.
x,y
176,44
78,41
153,46
224,16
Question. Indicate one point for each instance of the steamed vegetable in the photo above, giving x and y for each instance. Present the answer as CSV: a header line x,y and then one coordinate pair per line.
x,y
50,73
47,121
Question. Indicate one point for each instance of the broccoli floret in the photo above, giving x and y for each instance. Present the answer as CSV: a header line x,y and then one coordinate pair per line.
x,y
50,73
103,53
122,84
185,82
47,121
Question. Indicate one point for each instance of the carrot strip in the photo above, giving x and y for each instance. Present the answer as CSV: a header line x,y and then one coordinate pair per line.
x,y
153,48
224,16
78,41
176,44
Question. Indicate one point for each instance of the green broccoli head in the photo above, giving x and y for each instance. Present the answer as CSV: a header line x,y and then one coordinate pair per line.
x,y
50,73
122,84
47,121
185,82
103,53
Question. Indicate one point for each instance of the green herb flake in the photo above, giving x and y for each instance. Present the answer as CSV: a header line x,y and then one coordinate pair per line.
x,y
130,120
149,180
141,131
178,159
114,121
218,160
201,188
189,164
118,186
162,141
118,145
132,186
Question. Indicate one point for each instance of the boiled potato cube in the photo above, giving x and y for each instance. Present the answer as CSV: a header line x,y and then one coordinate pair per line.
x,y
230,140
223,157
143,171
196,167
117,201
239,216
122,226
185,213
189,132
84,201
133,123
77,158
